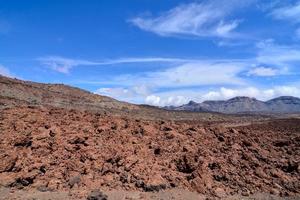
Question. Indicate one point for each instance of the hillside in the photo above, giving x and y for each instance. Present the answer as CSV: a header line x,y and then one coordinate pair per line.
x,y
17,92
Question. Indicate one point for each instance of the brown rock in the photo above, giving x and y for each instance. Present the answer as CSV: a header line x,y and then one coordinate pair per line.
x,y
245,193
220,192
75,180
7,162
97,195
275,191
22,141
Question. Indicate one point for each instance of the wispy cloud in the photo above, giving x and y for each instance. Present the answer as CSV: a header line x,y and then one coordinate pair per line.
x,y
205,19
143,60
130,94
279,55
291,12
61,64
267,71
64,65
190,73
199,73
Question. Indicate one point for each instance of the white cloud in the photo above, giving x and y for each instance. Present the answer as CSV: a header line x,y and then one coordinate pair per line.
x,y
171,100
115,92
5,72
198,73
125,92
142,60
263,71
291,12
208,18
224,29
133,94
226,93
153,100
278,55
262,94
63,65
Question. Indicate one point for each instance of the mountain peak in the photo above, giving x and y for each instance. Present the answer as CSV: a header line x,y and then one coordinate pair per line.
x,y
285,98
242,98
192,103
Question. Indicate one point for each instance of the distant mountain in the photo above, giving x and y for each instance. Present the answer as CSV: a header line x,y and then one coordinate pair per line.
x,y
284,104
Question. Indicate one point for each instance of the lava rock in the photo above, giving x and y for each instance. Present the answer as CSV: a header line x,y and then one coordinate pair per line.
x,y
97,195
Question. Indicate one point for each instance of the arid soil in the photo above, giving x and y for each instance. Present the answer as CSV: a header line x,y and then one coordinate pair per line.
x,y
55,149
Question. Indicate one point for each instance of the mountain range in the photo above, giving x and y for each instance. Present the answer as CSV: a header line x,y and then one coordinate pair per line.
x,y
242,104
18,92
14,92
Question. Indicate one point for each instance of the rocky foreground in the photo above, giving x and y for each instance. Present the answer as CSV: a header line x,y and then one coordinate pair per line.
x,y
51,149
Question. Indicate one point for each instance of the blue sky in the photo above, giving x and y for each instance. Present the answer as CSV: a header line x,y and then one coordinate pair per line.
x,y
155,52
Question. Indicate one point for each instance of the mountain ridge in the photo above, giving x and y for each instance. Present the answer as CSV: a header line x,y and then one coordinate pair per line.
x,y
243,104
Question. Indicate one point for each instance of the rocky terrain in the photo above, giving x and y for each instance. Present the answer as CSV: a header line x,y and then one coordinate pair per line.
x,y
284,104
57,147
15,92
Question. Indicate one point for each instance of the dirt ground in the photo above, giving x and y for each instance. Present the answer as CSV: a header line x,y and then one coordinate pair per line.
x,y
55,153
170,194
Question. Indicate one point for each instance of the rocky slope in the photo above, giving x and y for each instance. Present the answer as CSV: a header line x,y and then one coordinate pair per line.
x,y
18,92
284,104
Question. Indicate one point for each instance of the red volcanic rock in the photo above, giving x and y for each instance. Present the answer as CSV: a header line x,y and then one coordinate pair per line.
x,y
8,161
58,149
